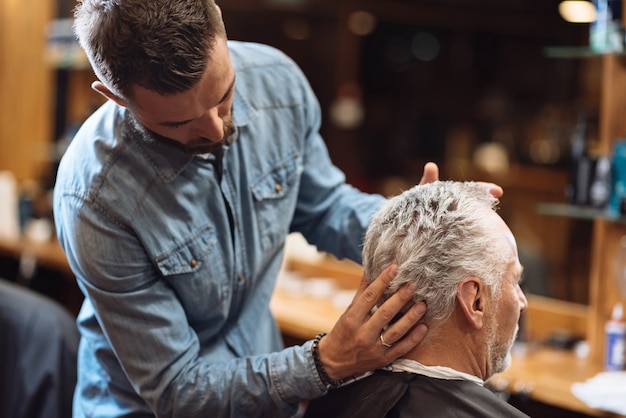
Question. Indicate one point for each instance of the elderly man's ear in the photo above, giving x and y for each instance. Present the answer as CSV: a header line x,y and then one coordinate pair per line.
x,y
471,295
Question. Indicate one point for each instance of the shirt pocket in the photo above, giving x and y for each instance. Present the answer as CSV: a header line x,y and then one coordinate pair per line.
x,y
194,269
275,196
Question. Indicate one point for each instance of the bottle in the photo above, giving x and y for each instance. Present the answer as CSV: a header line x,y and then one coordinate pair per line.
x,y
618,179
615,358
606,32
582,165
600,190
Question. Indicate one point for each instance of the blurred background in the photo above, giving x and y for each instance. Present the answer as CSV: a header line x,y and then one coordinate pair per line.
x,y
522,93
488,89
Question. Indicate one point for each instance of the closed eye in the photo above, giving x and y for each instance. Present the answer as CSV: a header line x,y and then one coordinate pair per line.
x,y
176,124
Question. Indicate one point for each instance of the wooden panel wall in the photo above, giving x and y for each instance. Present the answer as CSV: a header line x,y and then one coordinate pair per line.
x,y
26,87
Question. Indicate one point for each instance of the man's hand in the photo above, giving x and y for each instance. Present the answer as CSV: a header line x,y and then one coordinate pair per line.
x,y
431,174
354,345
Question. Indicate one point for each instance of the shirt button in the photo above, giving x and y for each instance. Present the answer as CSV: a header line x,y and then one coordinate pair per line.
x,y
193,262
240,278
278,188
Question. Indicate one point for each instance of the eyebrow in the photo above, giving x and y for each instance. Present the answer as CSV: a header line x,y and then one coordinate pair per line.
x,y
230,89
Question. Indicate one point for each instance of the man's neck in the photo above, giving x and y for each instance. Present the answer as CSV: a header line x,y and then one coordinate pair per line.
x,y
451,349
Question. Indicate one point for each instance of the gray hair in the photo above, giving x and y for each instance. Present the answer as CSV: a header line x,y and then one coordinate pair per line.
x,y
161,45
437,235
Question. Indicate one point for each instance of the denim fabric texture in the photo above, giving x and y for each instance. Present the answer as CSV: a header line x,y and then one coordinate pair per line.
x,y
178,263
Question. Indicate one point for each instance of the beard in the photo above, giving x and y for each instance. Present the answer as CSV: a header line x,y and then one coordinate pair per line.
x,y
196,146
499,351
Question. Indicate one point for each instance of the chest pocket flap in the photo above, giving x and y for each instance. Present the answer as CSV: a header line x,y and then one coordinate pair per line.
x,y
276,183
188,255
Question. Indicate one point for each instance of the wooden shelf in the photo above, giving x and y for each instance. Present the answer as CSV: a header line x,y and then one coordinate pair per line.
x,y
579,212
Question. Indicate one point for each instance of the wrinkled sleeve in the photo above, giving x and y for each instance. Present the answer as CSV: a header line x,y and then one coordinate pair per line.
x,y
331,214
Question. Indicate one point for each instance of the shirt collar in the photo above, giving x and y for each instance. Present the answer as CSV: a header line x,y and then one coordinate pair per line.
x,y
243,112
438,372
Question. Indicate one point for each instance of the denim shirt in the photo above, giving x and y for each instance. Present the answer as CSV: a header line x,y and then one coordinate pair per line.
x,y
177,254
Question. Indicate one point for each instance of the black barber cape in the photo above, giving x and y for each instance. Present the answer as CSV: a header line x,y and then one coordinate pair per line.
x,y
404,395
38,351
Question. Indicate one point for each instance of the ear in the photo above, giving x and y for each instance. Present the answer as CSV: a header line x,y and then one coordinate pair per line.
x,y
104,90
471,295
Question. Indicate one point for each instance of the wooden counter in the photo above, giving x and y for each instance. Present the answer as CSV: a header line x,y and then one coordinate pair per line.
x,y
546,375
48,254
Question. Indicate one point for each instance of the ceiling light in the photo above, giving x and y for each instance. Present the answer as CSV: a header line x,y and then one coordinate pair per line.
x,y
577,11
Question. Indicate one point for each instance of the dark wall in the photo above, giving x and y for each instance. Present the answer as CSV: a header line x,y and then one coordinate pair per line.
x,y
487,52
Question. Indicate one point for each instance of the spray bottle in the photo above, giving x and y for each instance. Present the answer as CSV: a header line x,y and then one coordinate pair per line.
x,y
615,358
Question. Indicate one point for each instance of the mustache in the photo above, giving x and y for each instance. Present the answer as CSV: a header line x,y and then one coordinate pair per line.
x,y
196,146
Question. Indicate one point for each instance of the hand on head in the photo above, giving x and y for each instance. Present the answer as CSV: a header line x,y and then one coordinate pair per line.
x,y
354,345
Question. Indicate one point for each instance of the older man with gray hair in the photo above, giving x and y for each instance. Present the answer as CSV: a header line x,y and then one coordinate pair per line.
x,y
458,254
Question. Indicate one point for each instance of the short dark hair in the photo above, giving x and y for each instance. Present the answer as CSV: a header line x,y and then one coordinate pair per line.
x,y
160,45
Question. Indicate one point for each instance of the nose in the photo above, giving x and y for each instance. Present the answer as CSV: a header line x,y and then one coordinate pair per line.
x,y
211,126
522,299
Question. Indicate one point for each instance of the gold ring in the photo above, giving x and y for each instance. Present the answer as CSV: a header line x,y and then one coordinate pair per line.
x,y
383,342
